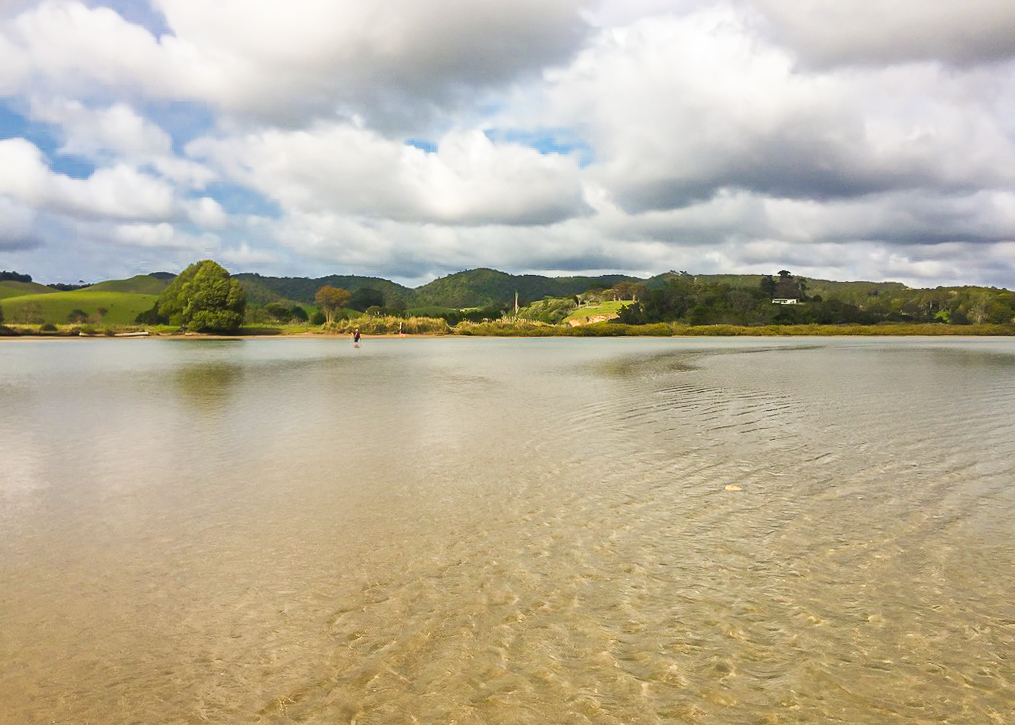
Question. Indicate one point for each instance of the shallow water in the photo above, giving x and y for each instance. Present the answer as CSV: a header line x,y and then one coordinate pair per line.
x,y
507,531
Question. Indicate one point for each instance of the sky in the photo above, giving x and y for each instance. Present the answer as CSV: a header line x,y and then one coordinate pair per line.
x,y
410,139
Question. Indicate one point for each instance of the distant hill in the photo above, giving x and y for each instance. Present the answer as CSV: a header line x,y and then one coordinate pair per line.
x,y
852,292
481,287
262,290
471,288
147,284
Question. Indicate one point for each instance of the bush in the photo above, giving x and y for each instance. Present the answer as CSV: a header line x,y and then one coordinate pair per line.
x,y
48,327
318,318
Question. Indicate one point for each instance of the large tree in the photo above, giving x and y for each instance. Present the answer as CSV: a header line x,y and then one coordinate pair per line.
x,y
204,298
331,299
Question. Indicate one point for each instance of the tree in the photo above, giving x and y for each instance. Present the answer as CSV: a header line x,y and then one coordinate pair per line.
x,y
298,313
331,299
278,311
204,298
77,315
366,297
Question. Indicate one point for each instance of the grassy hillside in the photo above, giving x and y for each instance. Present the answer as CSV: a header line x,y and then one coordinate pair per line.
x,y
121,307
10,288
602,309
141,284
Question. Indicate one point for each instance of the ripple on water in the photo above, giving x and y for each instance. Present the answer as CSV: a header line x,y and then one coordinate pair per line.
x,y
522,532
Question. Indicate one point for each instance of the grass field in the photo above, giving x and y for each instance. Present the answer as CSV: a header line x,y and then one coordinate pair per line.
x,y
35,309
610,309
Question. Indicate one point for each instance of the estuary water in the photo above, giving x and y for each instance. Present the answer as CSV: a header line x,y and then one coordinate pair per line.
x,y
507,531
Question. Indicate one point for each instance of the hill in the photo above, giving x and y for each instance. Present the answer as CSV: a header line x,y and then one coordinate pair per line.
x,y
121,307
482,287
147,284
10,288
262,290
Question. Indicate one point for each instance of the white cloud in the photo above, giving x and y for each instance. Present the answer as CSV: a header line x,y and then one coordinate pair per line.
x,y
118,192
118,134
712,135
341,167
16,225
159,236
681,108
287,59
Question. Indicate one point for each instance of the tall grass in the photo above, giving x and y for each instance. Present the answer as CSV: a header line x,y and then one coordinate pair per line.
x,y
383,325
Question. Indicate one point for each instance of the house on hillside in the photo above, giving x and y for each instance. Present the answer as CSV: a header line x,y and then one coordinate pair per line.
x,y
784,300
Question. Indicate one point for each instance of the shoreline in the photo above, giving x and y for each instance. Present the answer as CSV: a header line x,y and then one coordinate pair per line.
x,y
772,331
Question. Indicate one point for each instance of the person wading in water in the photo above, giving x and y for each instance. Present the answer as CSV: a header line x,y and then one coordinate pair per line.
x,y
355,337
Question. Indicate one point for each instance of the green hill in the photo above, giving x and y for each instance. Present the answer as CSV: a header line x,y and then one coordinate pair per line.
x,y
141,284
10,288
121,307
482,287
847,291
262,290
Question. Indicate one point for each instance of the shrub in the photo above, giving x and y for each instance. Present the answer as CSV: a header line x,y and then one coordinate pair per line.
x,y
48,327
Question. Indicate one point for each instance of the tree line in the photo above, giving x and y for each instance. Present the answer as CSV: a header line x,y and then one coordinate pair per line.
x,y
686,300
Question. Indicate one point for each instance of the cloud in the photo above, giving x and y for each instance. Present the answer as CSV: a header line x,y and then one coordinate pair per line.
x,y
349,169
285,60
829,32
681,108
16,226
157,236
118,192
414,139
117,133
388,57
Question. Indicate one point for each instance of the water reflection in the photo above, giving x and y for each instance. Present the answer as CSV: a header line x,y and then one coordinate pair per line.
x,y
206,387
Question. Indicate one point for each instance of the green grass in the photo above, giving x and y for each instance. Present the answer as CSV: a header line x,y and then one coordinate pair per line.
x,y
10,288
122,307
602,308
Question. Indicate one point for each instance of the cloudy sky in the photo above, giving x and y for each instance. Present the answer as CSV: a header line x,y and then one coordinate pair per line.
x,y
413,138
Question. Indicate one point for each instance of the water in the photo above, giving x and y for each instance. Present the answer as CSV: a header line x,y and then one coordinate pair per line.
x,y
507,531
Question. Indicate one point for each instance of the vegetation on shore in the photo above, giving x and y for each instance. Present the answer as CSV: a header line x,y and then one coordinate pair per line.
x,y
205,298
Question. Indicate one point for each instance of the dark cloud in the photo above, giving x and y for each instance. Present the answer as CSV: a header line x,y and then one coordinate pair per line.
x,y
879,32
